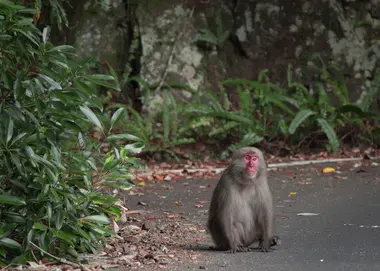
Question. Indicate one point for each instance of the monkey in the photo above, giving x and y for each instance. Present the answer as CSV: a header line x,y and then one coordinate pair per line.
x,y
241,207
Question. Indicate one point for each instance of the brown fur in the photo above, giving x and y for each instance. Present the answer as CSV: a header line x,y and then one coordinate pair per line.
x,y
241,209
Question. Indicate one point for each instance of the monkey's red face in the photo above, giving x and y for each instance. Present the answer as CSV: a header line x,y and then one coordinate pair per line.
x,y
251,161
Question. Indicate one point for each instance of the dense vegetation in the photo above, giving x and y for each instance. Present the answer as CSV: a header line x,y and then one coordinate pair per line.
x,y
51,170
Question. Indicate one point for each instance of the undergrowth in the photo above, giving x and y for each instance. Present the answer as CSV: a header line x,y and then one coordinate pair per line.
x,y
290,114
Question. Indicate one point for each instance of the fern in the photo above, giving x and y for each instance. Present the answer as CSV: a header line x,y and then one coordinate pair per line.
x,y
226,101
213,101
299,119
368,95
224,129
218,38
248,139
182,141
166,116
246,103
235,116
323,100
174,115
330,133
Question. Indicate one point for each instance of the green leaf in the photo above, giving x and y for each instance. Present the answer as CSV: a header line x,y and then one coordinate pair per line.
x,y
118,176
102,80
56,154
10,243
117,116
105,77
108,165
18,137
19,184
6,228
62,48
330,133
123,137
121,184
59,220
95,218
91,116
16,160
39,226
69,238
10,130
72,252
11,200
53,84
299,118
27,11
5,37
135,147
223,129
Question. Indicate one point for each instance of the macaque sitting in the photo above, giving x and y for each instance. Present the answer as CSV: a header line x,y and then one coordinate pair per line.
x,y
241,209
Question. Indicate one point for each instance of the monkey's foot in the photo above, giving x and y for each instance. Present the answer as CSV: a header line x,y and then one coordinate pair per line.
x,y
275,241
239,249
264,249
266,246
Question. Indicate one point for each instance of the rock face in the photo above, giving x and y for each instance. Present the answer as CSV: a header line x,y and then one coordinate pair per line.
x,y
200,42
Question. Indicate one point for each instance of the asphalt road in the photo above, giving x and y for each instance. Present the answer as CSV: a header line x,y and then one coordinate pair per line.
x,y
345,235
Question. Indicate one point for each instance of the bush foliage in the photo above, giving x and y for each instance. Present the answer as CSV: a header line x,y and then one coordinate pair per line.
x,y
50,169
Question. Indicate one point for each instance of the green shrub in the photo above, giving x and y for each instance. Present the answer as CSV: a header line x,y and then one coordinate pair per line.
x,y
50,168
163,131
317,112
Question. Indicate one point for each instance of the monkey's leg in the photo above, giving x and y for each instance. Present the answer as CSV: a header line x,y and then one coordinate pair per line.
x,y
265,240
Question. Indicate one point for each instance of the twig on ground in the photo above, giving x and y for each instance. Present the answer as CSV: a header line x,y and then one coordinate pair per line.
x,y
61,260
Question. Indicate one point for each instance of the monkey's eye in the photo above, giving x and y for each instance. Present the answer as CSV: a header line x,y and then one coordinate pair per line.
x,y
247,157
254,158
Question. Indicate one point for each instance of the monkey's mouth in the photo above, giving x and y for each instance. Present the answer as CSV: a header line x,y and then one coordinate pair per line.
x,y
251,169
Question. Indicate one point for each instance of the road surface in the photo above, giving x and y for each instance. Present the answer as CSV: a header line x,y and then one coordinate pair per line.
x,y
345,235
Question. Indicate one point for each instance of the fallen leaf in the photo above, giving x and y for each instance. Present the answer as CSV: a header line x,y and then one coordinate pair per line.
x,y
130,212
307,214
167,178
158,177
292,193
36,265
303,182
142,203
142,184
116,227
149,178
328,170
198,205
